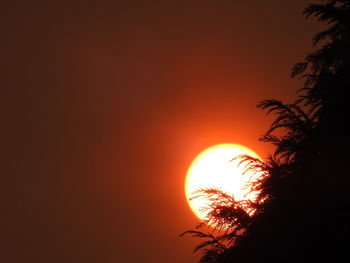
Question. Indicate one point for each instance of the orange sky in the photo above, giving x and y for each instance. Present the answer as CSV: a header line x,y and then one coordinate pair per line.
x,y
108,102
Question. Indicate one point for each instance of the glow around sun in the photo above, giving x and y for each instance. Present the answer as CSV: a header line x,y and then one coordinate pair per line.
x,y
214,168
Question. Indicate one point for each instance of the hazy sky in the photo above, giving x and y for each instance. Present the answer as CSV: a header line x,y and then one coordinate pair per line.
x,y
105,105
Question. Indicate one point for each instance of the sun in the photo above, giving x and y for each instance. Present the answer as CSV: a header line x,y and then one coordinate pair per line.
x,y
214,168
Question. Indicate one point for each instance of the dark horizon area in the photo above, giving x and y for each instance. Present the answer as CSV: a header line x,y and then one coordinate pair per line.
x,y
105,105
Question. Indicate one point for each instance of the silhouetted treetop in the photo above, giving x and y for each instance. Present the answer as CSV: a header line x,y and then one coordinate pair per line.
x,y
302,208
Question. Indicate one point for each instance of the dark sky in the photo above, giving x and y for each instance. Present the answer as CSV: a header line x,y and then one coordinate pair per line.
x,y
105,105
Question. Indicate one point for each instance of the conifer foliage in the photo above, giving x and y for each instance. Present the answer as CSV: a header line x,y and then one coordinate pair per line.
x,y
302,212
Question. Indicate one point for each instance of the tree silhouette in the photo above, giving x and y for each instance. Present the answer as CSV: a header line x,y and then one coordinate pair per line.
x,y
302,209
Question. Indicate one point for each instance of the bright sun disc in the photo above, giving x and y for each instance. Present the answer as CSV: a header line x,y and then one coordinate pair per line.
x,y
214,168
